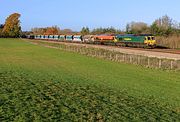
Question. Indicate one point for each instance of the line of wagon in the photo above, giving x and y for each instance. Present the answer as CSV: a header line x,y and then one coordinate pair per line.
x,y
131,40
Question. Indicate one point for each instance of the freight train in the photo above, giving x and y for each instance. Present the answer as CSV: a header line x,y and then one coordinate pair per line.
x,y
131,40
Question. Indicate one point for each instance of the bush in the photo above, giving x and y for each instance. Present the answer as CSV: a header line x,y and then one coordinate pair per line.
x,y
169,42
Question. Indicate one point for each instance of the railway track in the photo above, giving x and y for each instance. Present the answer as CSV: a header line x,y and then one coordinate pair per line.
x,y
173,51
157,52
157,49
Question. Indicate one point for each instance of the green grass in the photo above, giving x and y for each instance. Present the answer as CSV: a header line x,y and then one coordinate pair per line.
x,y
39,83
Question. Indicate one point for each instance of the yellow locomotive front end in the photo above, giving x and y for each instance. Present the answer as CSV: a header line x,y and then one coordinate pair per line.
x,y
150,41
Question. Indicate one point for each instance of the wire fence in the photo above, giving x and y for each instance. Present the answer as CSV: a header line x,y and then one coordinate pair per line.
x,y
151,62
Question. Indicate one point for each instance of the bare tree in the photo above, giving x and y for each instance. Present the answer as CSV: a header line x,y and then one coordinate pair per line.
x,y
137,28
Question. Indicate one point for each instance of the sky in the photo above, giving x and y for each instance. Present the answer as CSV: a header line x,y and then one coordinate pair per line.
x,y
75,14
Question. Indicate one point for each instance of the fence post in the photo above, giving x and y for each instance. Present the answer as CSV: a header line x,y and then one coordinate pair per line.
x,y
103,54
148,62
116,57
123,57
171,64
159,63
110,56
80,50
130,59
138,60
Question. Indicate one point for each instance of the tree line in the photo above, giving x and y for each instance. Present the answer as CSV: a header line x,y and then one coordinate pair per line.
x,y
54,30
163,26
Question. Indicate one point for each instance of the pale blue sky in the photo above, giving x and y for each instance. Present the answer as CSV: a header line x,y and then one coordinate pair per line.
x,y
75,14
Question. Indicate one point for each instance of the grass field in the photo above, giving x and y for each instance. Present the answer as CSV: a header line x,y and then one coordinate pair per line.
x,y
43,84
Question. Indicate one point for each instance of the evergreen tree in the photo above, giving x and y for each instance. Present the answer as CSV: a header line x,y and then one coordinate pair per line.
x,y
1,28
85,31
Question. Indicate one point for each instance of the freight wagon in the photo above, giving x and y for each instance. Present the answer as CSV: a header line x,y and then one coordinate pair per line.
x,y
77,38
104,39
69,37
62,38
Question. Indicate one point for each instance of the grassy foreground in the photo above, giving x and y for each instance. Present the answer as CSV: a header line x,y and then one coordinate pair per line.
x,y
43,84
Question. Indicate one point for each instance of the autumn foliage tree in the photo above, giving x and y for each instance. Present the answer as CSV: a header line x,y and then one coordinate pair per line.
x,y
54,30
39,31
12,26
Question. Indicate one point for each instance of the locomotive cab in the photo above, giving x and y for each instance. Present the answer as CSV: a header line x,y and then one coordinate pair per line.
x,y
150,40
